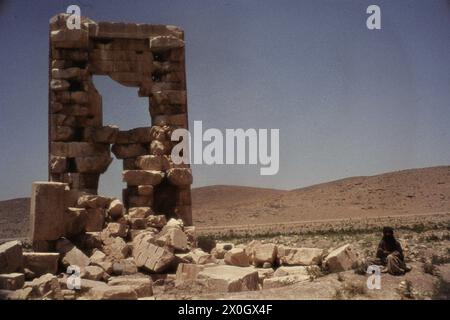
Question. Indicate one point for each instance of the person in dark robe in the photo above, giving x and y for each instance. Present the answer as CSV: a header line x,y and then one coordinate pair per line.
x,y
390,254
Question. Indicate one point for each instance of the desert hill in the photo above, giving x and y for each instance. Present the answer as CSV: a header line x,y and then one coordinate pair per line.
x,y
14,218
395,193
403,192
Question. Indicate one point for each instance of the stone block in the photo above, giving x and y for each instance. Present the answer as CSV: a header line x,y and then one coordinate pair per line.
x,y
116,248
70,254
191,235
124,267
138,223
69,73
93,164
223,278
183,196
93,201
165,43
61,119
129,164
106,134
47,210
58,164
187,272
160,148
341,259
168,97
46,286
115,229
299,256
180,176
145,190
136,135
95,219
152,162
41,263
151,257
119,292
123,151
116,209
90,240
173,223
237,257
139,212
70,39
198,256
80,181
167,109
156,221
11,257
179,120
141,285
62,133
98,258
78,149
95,273
12,281
264,253
142,177
287,270
75,221
174,238
184,213
59,85
140,201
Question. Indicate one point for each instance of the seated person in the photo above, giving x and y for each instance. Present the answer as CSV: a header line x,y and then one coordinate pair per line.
x,y
390,254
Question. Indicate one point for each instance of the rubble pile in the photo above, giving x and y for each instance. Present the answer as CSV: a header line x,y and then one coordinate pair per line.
x,y
122,262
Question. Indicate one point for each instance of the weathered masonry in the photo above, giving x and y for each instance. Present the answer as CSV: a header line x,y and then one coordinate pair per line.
x,y
148,57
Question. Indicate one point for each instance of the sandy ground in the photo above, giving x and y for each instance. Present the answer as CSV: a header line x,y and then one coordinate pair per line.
x,y
427,251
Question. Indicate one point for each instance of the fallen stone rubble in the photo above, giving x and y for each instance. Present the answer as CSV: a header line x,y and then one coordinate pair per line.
x,y
122,262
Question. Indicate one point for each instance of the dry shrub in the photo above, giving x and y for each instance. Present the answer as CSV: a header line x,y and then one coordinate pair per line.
x,y
340,277
441,290
314,273
354,289
338,294
349,290
405,290
430,268
361,267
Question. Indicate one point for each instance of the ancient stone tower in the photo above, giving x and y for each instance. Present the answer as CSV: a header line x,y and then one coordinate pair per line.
x,y
150,58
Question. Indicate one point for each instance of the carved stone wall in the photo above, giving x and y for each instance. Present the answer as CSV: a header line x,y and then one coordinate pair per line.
x,y
148,57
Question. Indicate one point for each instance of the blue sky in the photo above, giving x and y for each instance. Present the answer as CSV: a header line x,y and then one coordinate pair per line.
x,y
348,101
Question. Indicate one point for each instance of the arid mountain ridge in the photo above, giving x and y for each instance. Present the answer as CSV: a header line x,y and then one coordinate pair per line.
x,y
412,191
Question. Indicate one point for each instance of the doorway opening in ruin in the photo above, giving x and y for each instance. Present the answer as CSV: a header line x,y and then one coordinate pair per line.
x,y
165,196
122,107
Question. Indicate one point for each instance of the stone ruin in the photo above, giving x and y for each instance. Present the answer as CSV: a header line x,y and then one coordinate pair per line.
x,y
68,219
127,249
148,57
